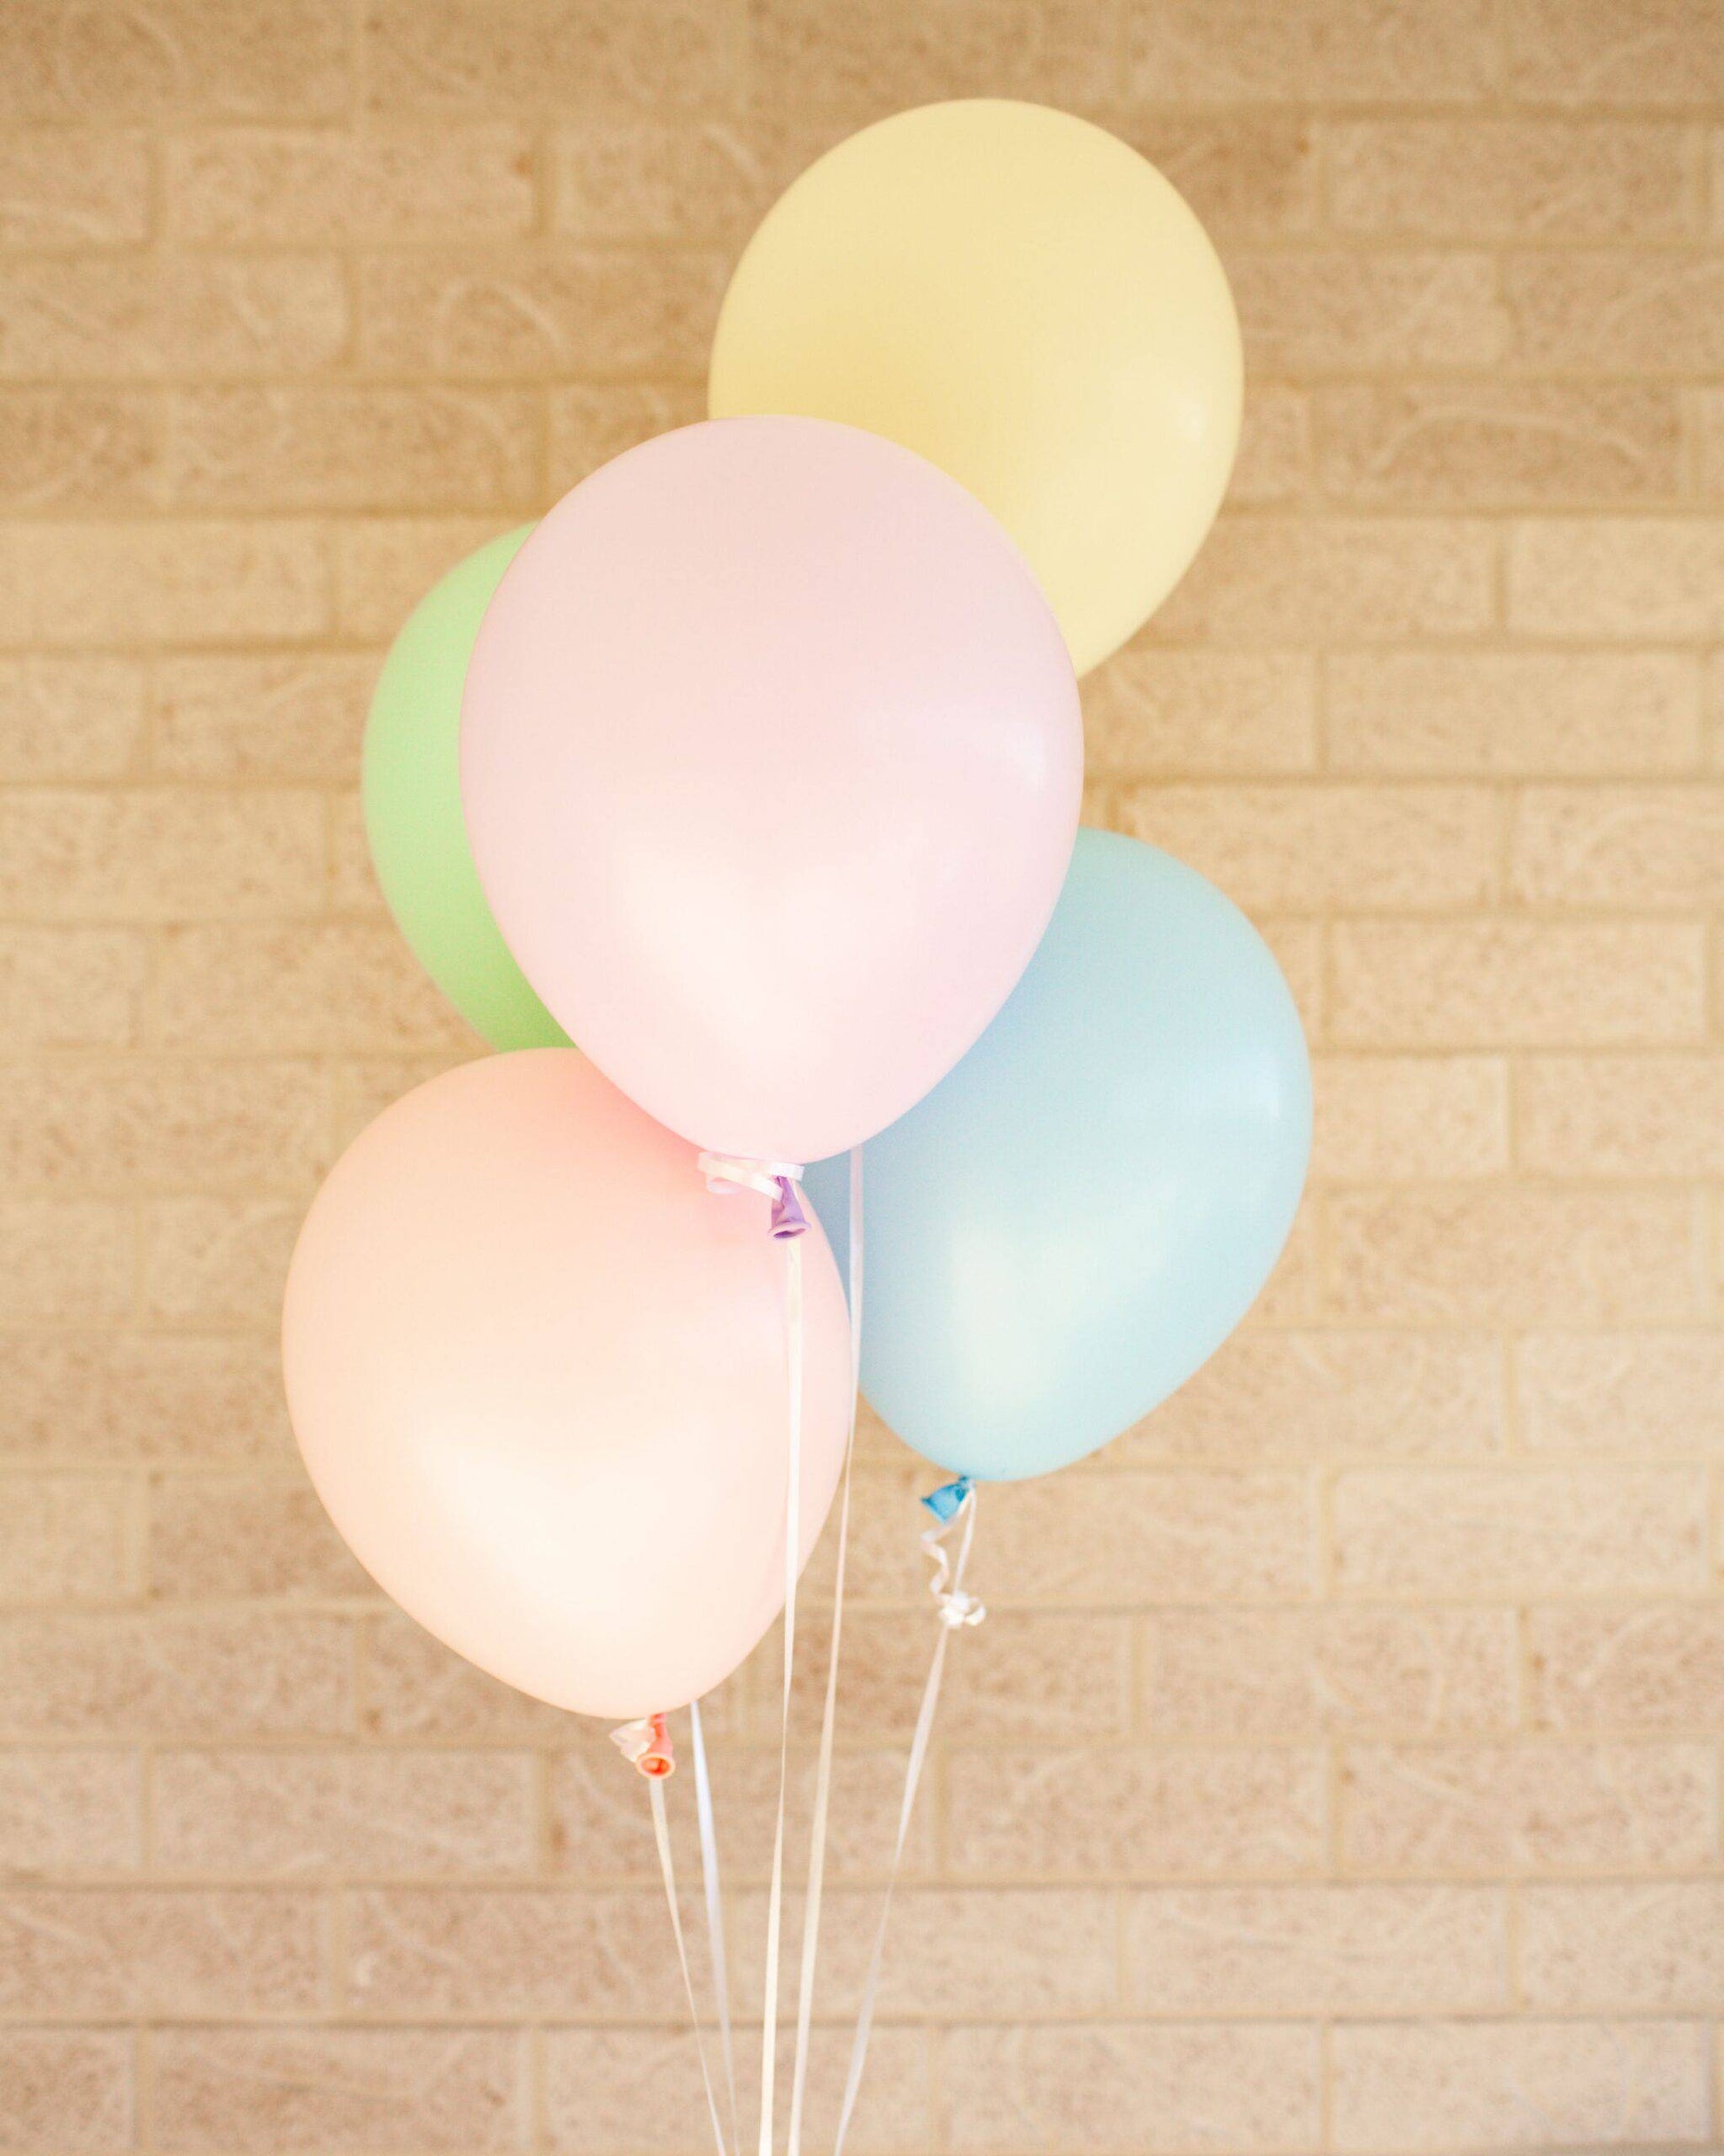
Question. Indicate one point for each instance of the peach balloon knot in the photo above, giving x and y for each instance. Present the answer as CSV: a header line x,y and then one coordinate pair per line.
x,y
646,1745
776,1179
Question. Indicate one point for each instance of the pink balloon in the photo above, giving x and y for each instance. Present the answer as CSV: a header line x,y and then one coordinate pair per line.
x,y
536,1370
771,758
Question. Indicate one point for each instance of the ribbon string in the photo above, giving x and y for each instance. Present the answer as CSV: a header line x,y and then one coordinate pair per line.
x,y
810,1921
957,1609
715,1911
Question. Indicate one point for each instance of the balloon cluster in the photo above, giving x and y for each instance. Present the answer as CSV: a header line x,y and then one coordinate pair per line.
x,y
755,769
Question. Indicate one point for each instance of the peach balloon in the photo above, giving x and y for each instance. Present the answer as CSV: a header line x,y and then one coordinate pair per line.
x,y
538,1372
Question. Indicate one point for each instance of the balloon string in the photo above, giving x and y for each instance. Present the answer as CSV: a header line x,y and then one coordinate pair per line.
x,y
811,1922
957,1609
715,1911
792,1551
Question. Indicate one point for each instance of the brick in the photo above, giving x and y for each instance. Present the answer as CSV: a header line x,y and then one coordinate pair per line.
x,y
335,986
1653,1668
291,1815
1648,847
70,718
824,56
66,1261
220,59
1251,175
1520,1530
1293,582
1527,1809
65,2089
349,448
1297,949
1653,1946
1631,1394
623,178
1384,1118
131,1396
592,422
1623,578
1511,714
365,1088
278,718
225,1540
160,1125
601,2084
126,1951
1273,466
212,1261
74,188
1301,1674
353,886
1635,52
1307,848
1325,311
287,187
242,1673
384,567
1647,312
1279,1397
411,1686
1621,1115
1516,983
159,854
466,55
71,585
1305,1950
151,317
1530,2085
507,315
500,1953
1706,409
84,448
336,2089
1339,52
1154,1814
69,1812
1472,444
1177,713
1245,2088
70,988
1169,1537
1515,179
64,1538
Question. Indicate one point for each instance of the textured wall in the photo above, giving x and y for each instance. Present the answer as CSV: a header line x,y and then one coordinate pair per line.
x,y
1338,1767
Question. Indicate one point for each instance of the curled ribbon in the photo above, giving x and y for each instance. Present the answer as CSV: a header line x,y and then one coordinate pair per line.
x,y
646,1745
776,1179
955,1605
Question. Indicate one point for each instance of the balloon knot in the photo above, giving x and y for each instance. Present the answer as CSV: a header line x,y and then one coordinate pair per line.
x,y
646,1745
947,1502
776,1179
788,1218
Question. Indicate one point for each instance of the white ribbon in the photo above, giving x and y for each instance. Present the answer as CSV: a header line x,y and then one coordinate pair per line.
x,y
792,1553
957,1609
810,1921
714,1910
726,1172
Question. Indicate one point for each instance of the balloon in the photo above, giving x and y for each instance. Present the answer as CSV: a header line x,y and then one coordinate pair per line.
x,y
1019,297
412,799
1077,1218
538,1372
774,837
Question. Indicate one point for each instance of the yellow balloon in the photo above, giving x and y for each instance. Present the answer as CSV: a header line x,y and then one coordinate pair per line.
x,y
1022,298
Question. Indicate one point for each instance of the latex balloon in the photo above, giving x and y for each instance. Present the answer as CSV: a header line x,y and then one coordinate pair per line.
x,y
538,1372
1079,1215
1019,297
412,798
776,833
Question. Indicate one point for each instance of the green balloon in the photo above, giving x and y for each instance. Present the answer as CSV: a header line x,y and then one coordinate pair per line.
x,y
411,789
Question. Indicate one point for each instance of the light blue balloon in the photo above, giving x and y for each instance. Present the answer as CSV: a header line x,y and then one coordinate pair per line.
x,y
1077,1216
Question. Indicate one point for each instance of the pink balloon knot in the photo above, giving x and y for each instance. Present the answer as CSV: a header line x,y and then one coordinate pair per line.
x,y
646,1745
788,1218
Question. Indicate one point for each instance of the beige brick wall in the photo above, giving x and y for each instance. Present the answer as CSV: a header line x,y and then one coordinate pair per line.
x,y
1338,1769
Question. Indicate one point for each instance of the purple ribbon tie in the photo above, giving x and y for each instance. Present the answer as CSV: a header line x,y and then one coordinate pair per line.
x,y
788,1217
